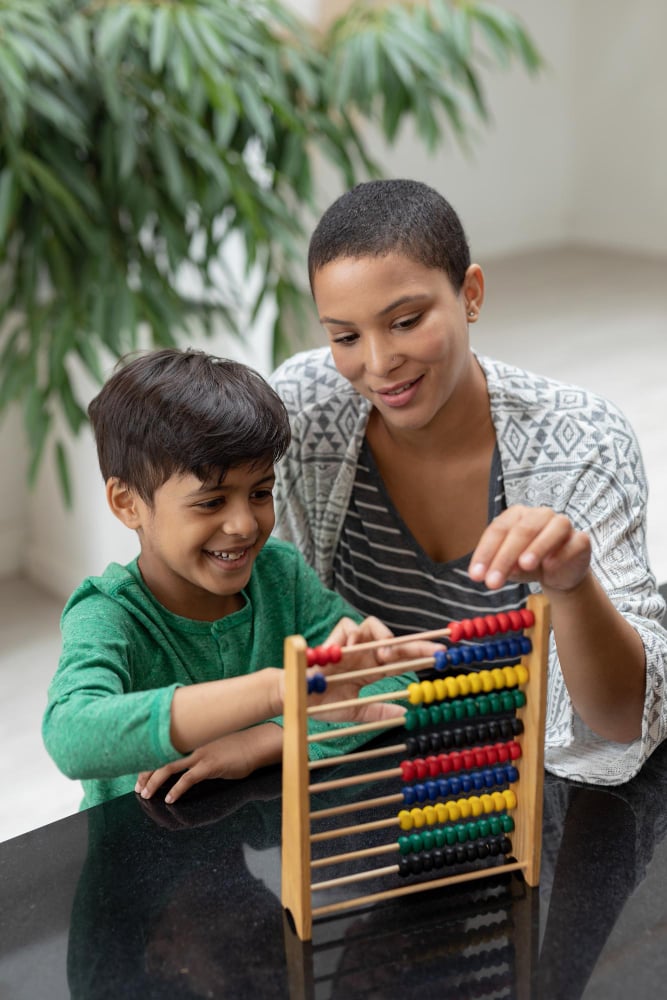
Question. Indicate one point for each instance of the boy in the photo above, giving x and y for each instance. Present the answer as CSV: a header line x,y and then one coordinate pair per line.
x,y
166,662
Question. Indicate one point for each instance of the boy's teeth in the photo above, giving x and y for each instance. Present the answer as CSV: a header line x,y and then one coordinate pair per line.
x,y
231,556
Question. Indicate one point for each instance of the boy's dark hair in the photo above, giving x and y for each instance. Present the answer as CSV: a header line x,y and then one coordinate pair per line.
x,y
380,217
170,412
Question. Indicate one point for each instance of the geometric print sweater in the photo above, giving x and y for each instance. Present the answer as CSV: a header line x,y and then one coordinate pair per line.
x,y
561,447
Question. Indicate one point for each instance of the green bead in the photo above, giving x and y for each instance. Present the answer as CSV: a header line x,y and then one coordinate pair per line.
x,y
450,835
461,833
484,828
483,704
440,836
447,712
459,709
470,706
404,844
507,823
507,699
410,720
436,714
519,698
416,842
473,831
495,826
428,840
495,701
424,716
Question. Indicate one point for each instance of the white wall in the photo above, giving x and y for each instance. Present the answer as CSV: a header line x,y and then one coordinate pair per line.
x,y
578,154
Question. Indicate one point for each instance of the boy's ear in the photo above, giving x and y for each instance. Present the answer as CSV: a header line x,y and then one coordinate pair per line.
x,y
123,503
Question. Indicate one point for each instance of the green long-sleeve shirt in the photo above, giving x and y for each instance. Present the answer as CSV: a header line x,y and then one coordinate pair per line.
x,y
123,655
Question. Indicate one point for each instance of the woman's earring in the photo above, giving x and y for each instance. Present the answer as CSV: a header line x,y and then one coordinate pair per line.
x,y
472,314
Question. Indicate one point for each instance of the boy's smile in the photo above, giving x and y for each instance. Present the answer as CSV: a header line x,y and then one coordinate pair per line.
x,y
199,541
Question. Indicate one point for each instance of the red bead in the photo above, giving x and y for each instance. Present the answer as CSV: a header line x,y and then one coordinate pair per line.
x,y
468,758
455,631
516,620
455,760
503,622
527,617
491,624
408,770
502,752
445,763
479,624
480,756
322,656
421,768
491,755
311,657
335,653
514,749
433,766
468,628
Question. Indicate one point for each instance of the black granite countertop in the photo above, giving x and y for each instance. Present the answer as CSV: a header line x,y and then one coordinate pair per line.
x,y
144,900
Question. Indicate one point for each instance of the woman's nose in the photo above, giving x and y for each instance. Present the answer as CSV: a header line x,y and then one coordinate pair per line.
x,y
380,358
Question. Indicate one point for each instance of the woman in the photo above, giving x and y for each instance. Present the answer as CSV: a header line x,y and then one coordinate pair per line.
x,y
427,484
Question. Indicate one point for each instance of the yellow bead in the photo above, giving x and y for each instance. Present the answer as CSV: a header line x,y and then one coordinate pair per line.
x,y
439,688
498,801
405,820
476,807
510,798
430,815
441,812
509,674
521,674
453,811
452,687
464,807
418,817
428,693
498,677
414,693
487,803
464,684
486,680
475,683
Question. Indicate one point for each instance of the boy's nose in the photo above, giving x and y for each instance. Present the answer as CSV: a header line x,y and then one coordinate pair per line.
x,y
239,519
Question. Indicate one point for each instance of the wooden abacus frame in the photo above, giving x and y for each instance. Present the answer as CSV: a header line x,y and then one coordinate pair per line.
x,y
296,822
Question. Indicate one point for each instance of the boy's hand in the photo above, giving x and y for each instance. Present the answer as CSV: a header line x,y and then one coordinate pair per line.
x,y
526,544
349,633
234,756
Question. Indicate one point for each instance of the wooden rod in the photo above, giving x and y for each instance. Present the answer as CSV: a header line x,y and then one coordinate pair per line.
x,y
331,883
382,800
360,755
355,779
388,670
364,852
395,640
405,890
362,700
363,727
343,831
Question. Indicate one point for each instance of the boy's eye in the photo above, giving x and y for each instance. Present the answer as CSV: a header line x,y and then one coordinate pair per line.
x,y
212,504
264,494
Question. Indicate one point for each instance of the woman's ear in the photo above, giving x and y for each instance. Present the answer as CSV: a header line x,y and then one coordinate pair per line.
x,y
123,503
473,291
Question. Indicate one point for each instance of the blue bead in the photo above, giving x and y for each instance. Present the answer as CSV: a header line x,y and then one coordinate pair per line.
x,y
440,660
491,650
478,651
511,773
500,775
478,781
444,788
514,646
455,656
420,792
503,649
320,683
409,796
466,783
489,778
526,644
432,790
454,786
468,654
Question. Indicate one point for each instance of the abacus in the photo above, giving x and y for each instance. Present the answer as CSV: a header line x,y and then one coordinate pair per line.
x,y
471,781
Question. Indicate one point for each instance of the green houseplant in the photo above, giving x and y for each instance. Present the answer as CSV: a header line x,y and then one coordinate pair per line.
x,y
138,138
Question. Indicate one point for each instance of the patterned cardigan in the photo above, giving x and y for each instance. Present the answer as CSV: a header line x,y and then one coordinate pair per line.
x,y
560,447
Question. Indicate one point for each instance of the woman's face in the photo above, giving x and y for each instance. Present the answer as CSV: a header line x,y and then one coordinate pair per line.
x,y
399,333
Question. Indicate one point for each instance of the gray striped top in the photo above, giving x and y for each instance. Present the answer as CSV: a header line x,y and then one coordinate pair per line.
x,y
381,569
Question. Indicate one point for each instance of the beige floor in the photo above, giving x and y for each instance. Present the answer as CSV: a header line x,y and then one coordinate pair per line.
x,y
596,319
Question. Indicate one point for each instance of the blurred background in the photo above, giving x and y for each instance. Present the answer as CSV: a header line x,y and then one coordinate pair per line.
x,y
562,191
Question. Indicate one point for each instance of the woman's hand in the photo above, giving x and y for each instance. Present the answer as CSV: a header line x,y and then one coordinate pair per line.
x,y
525,544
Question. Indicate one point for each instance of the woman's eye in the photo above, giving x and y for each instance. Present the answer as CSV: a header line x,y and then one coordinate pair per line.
x,y
407,322
345,338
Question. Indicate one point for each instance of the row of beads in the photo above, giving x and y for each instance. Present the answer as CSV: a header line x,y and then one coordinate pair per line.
x,y
457,833
464,708
444,812
444,788
317,683
481,652
465,760
468,736
476,628
416,864
468,628
465,684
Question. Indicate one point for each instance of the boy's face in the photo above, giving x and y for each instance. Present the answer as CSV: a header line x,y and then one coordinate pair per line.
x,y
199,541
399,333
